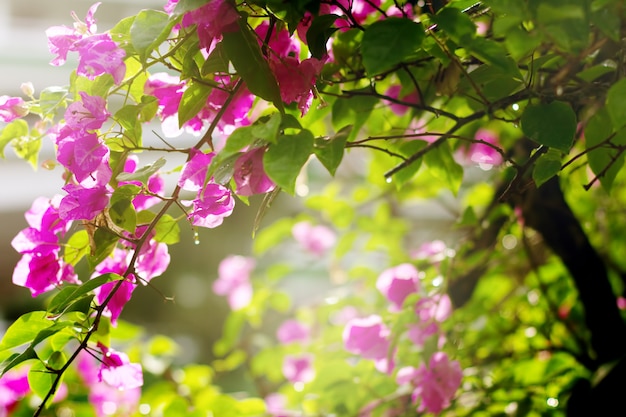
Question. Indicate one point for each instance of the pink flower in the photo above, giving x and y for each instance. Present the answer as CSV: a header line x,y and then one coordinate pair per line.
x,y
211,20
438,308
367,337
397,283
106,399
121,297
484,155
281,43
88,114
276,404
397,108
234,280
296,79
83,203
359,9
42,273
236,113
211,206
82,153
44,215
315,239
12,108
299,368
153,260
31,240
168,90
435,251
305,23
117,370
250,176
13,387
155,185
193,175
436,385
621,303
292,331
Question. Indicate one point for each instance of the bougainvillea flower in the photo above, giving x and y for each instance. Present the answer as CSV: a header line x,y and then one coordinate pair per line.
x,y
168,90
97,55
83,203
236,114
80,152
397,283
38,273
484,155
292,331
12,108
299,368
436,384
31,240
397,108
44,215
281,43
117,370
115,306
437,308
368,337
13,387
315,239
211,20
359,9
193,175
249,174
211,206
296,79
434,251
153,260
275,404
234,280
307,19
90,113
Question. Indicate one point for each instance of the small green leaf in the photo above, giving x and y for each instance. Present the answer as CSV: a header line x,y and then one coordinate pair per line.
x,y
407,149
456,24
71,293
24,329
285,158
142,174
242,49
15,130
329,151
318,34
603,160
193,100
121,210
389,42
104,242
547,166
76,247
552,124
52,99
17,358
149,29
442,165
217,62
616,105
167,230
40,379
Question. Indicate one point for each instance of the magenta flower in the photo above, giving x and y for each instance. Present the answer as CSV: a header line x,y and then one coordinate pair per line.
x,y
397,108
436,385
418,333
117,370
296,79
211,206
236,113
13,387
31,240
397,283
83,203
438,308
121,297
234,280
44,215
281,43
435,251
38,273
12,108
168,90
88,114
484,155
105,398
299,368
153,260
292,331
193,175
359,9
306,21
250,176
211,20
315,239
81,153
367,337
97,53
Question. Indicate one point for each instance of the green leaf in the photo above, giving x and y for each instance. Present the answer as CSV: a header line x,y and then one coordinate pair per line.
x,y
242,49
121,210
17,129
149,29
329,151
389,42
616,105
76,247
547,166
103,243
142,174
52,99
285,158
318,34
40,379
354,110
407,149
441,165
193,100
552,124
17,358
167,230
24,329
216,62
71,293
184,6
603,160
456,24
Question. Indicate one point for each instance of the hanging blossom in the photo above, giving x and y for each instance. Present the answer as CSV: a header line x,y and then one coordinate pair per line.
x,y
397,283
293,331
116,263
213,201
41,268
484,155
315,239
408,98
106,399
369,337
360,10
435,385
249,174
430,311
117,370
12,108
298,368
234,280
296,79
98,54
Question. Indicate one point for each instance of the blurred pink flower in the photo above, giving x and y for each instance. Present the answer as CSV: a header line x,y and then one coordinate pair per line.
x,y
281,42
367,337
436,385
117,370
299,368
12,108
211,20
315,239
89,113
13,387
397,283
234,280
211,205
397,108
434,251
275,404
484,155
291,331
83,203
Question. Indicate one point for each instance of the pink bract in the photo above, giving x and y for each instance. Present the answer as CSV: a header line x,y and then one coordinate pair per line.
x,y
397,283
12,108
299,368
83,203
88,114
296,79
117,370
292,331
315,239
211,20
193,175
234,280
211,206
121,297
436,385
280,42
367,337
250,176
